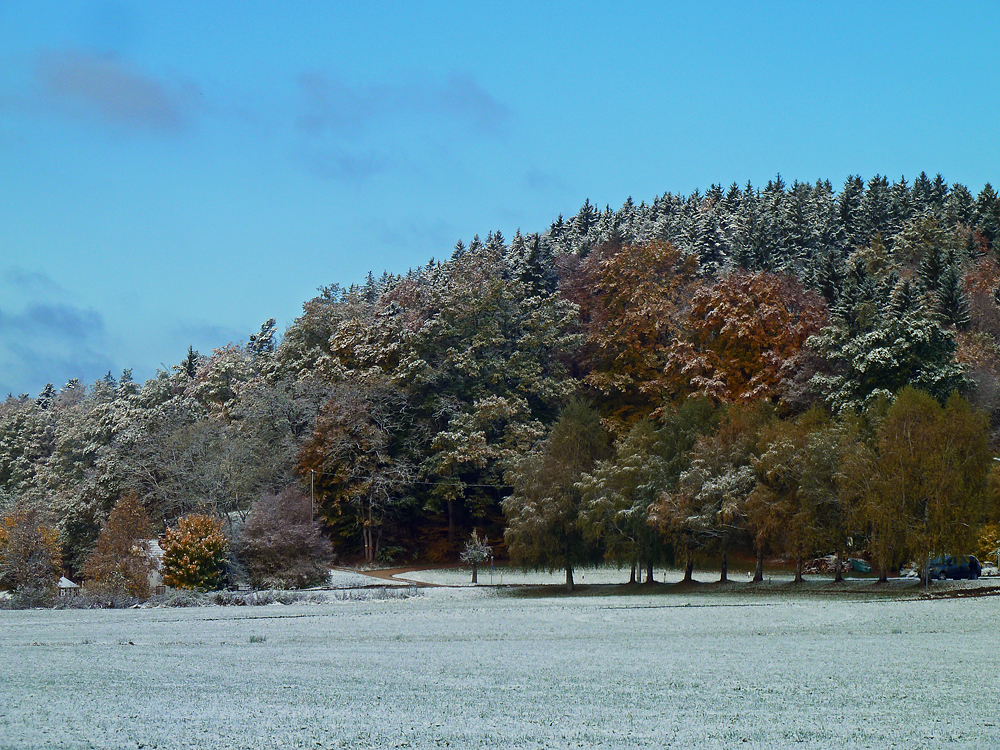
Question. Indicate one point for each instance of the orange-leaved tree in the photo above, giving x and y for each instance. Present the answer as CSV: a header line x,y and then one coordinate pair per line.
x,y
631,301
742,337
121,562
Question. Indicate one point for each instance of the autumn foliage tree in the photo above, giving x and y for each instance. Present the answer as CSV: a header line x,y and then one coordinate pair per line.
x,y
631,301
194,554
280,544
29,554
357,461
796,500
120,564
933,471
742,336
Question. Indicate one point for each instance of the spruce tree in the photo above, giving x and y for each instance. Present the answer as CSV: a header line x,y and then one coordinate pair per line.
x,y
952,302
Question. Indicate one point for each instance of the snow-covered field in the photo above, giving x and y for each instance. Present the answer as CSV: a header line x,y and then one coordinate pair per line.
x,y
603,575
468,667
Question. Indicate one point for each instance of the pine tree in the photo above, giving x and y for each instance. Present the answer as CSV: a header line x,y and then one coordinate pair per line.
x,y
988,213
938,195
262,344
900,207
932,267
960,207
875,209
46,397
849,215
922,194
952,302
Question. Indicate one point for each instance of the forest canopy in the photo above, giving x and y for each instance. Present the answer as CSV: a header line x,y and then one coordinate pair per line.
x,y
738,366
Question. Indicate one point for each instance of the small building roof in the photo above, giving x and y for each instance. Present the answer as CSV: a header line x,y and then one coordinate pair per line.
x,y
65,583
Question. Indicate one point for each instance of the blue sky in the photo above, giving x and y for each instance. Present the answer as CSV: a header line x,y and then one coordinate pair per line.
x,y
177,173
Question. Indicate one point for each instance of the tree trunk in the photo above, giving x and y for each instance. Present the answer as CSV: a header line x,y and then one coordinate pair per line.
x,y
838,576
798,569
475,573
724,573
688,567
758,571
451,521
569,577
631,578
649,572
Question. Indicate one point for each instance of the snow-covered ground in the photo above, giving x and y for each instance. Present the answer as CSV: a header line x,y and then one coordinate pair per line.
x,y
603,575
478,667
345,579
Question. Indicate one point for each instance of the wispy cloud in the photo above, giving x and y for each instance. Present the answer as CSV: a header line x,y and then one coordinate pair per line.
x,y
464,98
52,320
31,365
413,233
88,84
337,122
329,105
341,165
49,342
31,282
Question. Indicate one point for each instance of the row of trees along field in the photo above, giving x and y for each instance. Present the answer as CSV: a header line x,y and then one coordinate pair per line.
x,y
776,371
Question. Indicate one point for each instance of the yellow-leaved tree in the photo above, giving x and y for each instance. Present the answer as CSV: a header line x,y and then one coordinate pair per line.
x,y
194,554
933,472
29,554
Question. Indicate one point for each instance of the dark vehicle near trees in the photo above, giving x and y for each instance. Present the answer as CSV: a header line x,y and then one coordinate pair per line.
x,y
958,567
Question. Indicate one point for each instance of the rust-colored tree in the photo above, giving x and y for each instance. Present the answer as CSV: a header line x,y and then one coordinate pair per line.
x,y
631,302
120,564
742,337
357,462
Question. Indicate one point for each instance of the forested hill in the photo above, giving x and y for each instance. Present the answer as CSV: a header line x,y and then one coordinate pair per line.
x,y
695,374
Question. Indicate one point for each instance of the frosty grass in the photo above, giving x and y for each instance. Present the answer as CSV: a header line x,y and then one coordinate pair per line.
x,y
474,667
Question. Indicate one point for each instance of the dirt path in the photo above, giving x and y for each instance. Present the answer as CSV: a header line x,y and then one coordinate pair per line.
x,y
389,574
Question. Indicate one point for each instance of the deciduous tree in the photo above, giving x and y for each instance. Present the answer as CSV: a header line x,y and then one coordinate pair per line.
x,y
742,335
280,544
29,553
120,564
933,467
194,553
475,553
543,512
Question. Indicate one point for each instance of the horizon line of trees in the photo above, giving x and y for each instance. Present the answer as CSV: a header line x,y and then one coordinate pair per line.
x,y
596,373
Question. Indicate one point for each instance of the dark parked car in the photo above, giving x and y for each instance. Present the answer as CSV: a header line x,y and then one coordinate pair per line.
x,y
962,566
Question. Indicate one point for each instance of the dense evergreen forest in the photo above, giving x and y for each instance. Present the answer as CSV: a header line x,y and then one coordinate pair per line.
x,y
785,371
